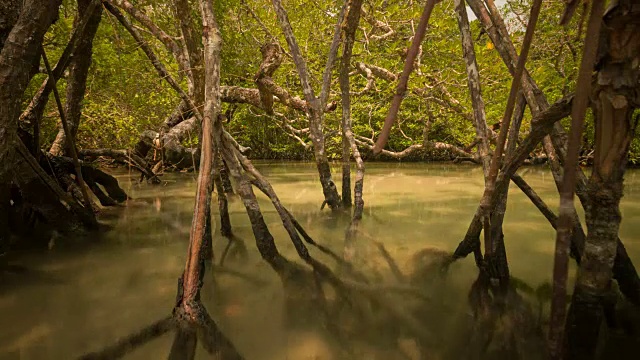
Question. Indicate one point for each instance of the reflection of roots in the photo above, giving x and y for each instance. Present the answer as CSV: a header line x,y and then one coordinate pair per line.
x,y
504,324
191,325
362,316
235,249
353,313
133,341
349,307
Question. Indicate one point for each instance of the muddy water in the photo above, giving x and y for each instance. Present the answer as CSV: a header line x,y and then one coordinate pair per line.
x,y
78,298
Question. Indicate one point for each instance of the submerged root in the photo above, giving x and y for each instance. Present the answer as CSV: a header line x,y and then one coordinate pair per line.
x,y
235,248
129,343
504,325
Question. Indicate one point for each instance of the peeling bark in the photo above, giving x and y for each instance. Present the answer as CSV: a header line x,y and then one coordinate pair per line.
x,y
614,96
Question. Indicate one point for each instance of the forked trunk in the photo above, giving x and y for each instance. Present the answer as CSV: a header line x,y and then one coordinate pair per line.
x,y
315,111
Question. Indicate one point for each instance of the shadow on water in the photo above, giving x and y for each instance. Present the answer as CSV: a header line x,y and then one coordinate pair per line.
x,y
79,298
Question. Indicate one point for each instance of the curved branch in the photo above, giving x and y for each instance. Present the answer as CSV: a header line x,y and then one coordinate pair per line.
x,y
378,24
416,147
371,81
378,71
404,77
156,31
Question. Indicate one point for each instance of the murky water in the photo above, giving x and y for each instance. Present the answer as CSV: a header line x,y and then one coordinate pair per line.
x,y
74,299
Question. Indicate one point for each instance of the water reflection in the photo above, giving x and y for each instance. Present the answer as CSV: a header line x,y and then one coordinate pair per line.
x,y
80,297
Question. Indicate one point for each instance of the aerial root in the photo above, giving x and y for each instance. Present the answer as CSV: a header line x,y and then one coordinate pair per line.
x,y
194,324
61,168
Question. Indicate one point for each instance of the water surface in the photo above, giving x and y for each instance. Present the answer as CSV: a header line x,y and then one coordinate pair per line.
x,y
79,298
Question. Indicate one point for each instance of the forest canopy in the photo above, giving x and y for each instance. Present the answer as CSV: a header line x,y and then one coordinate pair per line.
x,y
125,96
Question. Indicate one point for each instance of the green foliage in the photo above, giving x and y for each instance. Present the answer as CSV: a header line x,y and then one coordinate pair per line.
x,y
125,96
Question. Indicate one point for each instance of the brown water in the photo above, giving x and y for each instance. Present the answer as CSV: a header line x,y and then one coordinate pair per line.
x,y
76,299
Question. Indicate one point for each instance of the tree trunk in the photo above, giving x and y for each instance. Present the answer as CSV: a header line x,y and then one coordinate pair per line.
x,y
315,111
193,50
18,169
77,79
567,188
223,204
33,113
615,100
191,315
348,139
401,87
626,274
473,81
492,246
9,13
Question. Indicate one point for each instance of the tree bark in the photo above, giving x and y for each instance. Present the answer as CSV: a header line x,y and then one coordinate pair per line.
x,y
77,79
490,245
615,99
401,88
163,37
348,140
189,311
315,111
625,272
72,145
22,177
33,113
567,210
193,51
351,24
541,124
9,13
181,113
473,81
